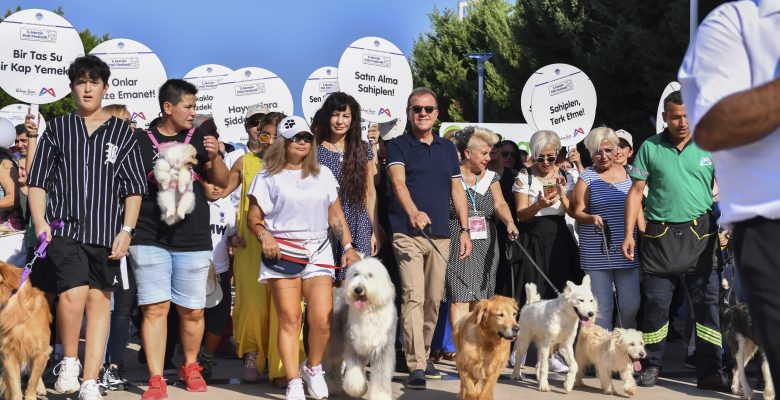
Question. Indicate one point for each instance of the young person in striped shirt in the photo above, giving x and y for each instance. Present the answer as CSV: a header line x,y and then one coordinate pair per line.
x,y
89,164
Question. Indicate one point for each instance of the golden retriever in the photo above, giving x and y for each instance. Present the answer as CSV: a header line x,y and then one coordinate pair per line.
x,y
616,351
482,341
24,335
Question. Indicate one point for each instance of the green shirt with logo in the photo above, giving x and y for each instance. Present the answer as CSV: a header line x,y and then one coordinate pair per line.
x,y
679,182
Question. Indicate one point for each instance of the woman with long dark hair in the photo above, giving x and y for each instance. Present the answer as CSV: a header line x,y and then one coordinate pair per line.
x,y
341,148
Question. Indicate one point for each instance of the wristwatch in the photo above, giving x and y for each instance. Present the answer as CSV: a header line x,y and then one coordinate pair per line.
x,y
462,229
130,230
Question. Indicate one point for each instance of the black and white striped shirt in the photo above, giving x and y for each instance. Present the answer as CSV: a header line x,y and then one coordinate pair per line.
x,y
87,177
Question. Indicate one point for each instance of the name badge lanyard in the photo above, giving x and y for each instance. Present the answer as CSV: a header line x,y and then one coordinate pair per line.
x,y
477,222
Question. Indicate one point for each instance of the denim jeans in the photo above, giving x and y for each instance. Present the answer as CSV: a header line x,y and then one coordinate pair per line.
x,y
626,280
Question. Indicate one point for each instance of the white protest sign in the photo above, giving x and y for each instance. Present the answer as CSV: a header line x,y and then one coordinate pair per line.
x,y
376,73
660,125
7,133
136,76
241,89
16,113
518,133
206,78
37,48
564,101
318,86
525,98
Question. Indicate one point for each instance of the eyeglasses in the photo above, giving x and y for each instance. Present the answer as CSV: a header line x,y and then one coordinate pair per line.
x,y
550,159
605,152
428,109
305,136
252,123
265,137
507,154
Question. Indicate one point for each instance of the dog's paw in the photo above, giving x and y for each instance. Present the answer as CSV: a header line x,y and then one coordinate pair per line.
x,y
517,374
544,387
40,389
578,382
355,382
747,394
735,389
769,394
609,390
629,389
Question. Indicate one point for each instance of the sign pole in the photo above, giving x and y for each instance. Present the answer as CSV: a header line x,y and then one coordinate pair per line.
x,y
481,58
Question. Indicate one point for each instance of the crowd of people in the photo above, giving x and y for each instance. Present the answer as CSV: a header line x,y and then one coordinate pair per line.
x,y
277,220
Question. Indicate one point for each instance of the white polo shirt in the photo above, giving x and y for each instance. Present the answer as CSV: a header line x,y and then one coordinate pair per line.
x,y
737,48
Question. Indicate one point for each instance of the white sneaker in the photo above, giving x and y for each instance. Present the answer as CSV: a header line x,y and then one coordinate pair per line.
x,y
295,390
557,365
315,381
90,391
67,372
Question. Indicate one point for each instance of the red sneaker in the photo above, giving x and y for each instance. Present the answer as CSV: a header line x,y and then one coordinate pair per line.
x,y
190,374
157,390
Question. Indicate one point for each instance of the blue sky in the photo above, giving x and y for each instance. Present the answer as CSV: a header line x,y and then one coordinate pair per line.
x,y
289,37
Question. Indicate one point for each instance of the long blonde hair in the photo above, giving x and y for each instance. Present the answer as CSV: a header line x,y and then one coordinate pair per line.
x,y
276,158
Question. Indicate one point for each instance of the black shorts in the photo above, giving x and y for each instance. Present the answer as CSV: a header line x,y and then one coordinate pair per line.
x,y
42,276
76,264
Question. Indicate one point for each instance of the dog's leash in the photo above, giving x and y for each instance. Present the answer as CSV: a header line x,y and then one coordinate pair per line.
x,y
607,248
40,252
538,268
428,238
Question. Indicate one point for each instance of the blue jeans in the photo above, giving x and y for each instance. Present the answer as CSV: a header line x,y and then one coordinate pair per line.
x,y
626,280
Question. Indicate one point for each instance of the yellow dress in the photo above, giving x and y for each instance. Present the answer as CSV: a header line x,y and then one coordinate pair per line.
x,y
255,323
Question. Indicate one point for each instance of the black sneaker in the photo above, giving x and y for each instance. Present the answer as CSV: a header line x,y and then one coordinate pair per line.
x,y
430,371
416,380
717,382
690,361
115,377
648,377
205,364
102,381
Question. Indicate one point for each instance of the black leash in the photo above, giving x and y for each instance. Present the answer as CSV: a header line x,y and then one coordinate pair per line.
x,y
538,269
608,245
428,238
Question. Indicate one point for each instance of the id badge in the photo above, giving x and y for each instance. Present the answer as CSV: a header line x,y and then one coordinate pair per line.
x,y
478,227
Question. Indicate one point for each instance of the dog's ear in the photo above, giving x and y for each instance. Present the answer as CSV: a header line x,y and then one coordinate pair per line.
x,y
569,286
481,311
586,281
617,337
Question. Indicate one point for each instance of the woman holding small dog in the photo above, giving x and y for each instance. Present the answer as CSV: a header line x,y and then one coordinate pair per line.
x,y
599,203
474,278
293,202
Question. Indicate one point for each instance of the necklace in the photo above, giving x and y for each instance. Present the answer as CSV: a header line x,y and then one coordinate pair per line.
x,y
297,179
340,151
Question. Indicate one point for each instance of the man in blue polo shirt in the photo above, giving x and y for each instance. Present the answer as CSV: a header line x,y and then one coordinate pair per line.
x,y
424,174
679,243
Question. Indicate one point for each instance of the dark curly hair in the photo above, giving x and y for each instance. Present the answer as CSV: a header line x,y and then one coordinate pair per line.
x,y
354,170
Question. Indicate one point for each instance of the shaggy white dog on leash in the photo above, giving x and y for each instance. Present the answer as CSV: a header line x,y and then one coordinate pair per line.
x,y
173,173
363,333
552,324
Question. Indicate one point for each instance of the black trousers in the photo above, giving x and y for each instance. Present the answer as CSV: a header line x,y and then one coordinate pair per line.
x,y
757,245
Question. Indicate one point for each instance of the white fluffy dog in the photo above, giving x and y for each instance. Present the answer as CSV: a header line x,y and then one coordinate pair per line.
x,y
173,173
363,333
616,351
552,324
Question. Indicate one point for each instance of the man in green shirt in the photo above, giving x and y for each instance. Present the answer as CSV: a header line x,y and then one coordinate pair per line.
x,y
679,243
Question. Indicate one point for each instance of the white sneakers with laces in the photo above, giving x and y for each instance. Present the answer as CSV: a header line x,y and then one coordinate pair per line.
x,y
315,381
90,391
295,390
67,372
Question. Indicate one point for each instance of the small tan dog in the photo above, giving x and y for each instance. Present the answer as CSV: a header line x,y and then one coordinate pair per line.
x,y
482,342
24,335
616,351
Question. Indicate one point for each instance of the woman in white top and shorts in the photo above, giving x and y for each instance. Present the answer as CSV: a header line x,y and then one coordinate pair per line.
x,y
293,202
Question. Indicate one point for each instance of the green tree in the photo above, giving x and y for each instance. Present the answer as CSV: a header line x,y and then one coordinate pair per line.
x,y
67,104
630,49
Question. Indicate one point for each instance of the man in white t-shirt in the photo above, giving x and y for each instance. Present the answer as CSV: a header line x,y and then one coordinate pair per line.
x,y
731,78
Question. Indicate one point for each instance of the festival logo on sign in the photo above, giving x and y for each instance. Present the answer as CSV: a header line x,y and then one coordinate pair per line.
x,y
46,90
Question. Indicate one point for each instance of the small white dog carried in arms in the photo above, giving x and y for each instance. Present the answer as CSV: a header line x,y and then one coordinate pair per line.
x,y
174,176
363,333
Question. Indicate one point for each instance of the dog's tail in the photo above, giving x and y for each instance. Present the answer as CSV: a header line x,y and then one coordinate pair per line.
x,y
531,294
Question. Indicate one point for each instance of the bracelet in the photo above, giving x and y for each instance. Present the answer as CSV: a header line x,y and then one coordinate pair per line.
x,y
462,229
32,135
348,246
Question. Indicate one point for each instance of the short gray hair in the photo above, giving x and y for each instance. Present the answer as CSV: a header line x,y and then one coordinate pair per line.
x,y
598,135
542,139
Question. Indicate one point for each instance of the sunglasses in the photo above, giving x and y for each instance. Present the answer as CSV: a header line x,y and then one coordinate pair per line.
x,y
550,159
428,109
605,152
306,137
265,137
252,123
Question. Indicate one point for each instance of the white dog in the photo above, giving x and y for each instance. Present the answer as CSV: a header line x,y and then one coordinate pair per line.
x,y
173,173
616,351
552,324
363,333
